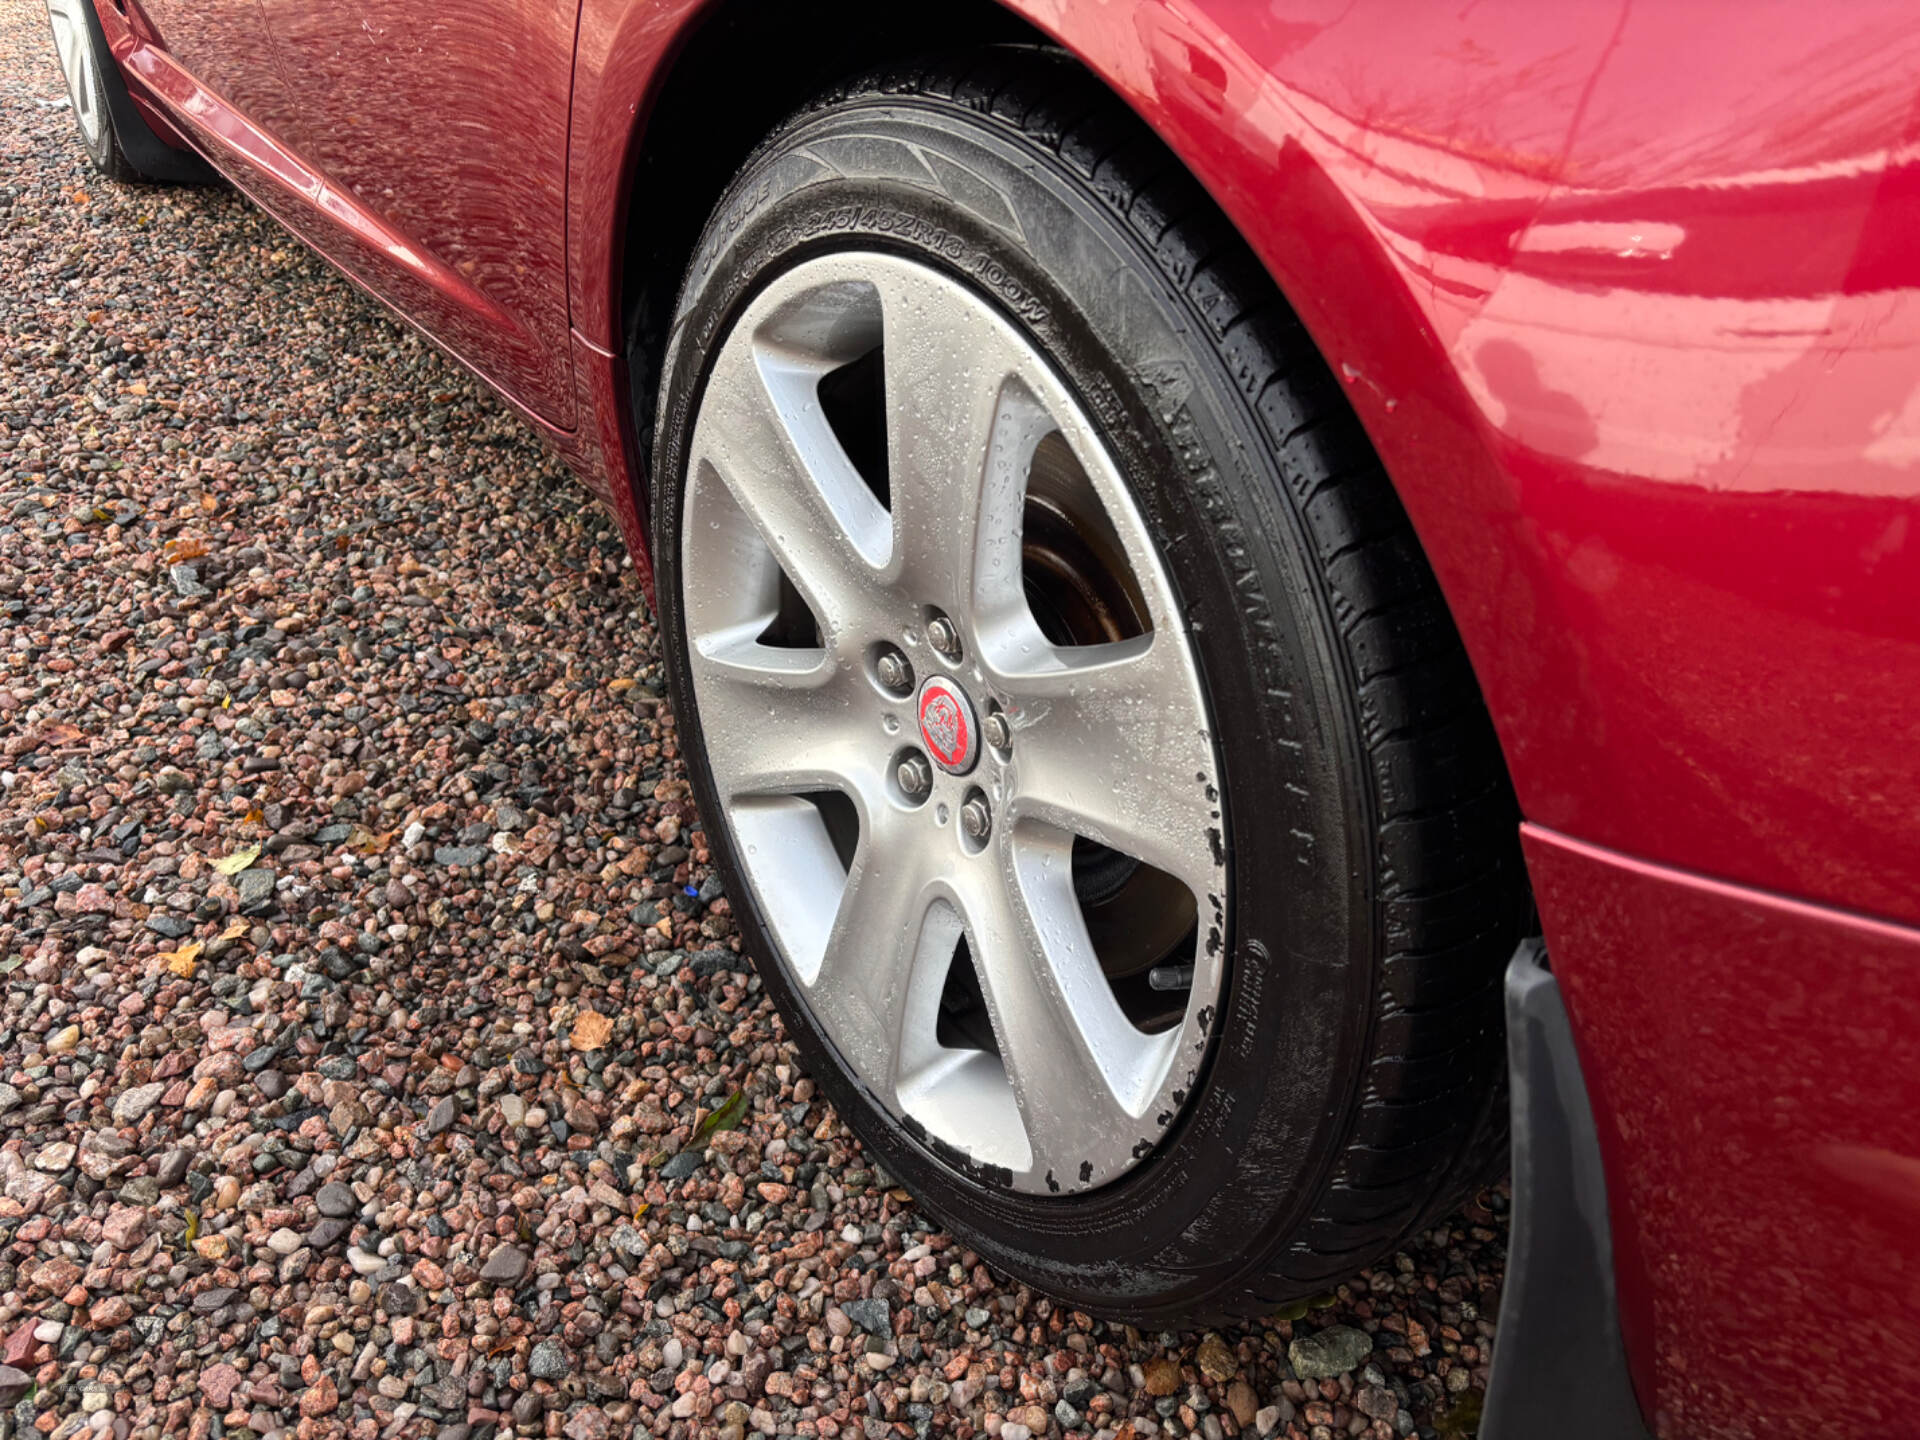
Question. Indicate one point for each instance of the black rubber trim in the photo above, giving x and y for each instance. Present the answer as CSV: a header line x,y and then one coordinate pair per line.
x,y
145,151
1559,1364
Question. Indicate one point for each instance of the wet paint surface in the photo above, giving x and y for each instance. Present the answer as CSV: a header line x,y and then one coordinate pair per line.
x,y
1761,1141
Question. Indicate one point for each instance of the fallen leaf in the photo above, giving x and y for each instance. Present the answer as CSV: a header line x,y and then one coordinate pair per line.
x,y
236,927
591,1030
641,1209
1294,1309
368,843
238,861
1163,1376
193,1226
622,685
185,547
59,733
180,961
729,1114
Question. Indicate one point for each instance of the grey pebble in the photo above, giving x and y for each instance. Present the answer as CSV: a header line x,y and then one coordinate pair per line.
x,y
680,1166
549,1361
1329,1352
337,1201
506,1266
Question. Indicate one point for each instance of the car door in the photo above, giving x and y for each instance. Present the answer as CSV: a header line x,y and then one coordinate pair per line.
x,y
440,134
224,44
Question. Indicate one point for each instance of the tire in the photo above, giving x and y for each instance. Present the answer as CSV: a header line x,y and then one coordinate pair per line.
x,y
117,140
1346,1086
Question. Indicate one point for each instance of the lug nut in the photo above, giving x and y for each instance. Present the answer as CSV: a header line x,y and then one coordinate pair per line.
x,y
944,637
976,818
999,734
894,671
915,776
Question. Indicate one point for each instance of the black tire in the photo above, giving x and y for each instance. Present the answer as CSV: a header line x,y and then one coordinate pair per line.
x,y
122,146
1354,1087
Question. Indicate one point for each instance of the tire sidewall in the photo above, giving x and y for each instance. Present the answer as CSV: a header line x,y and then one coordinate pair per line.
x,y
1275,1086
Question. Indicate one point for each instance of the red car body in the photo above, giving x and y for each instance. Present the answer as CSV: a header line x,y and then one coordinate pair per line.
x,y
1629,302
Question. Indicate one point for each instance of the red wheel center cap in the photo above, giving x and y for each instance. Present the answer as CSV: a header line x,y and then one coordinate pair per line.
x,y
947,727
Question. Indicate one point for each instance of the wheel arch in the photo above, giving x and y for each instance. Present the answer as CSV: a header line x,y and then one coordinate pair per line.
x,y
649,132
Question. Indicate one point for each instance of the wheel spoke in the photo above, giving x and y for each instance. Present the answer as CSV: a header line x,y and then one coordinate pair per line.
x,y
962,425
767,442
883,964
780,721
1112,743
75,51
1075,1063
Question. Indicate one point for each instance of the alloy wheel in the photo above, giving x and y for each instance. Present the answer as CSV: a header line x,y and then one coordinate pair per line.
x,y
954,721
73,43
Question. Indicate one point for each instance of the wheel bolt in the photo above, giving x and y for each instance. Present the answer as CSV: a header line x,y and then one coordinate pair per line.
x,y
999,734
976,818
894,671
944,637
915,776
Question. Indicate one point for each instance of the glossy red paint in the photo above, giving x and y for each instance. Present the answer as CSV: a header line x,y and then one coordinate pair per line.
x,y
1750,1060
222,42
1626,301
1626,297
452,130
474,255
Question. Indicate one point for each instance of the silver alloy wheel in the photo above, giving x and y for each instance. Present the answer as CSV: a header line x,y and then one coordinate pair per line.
x,y
73,42
1109,741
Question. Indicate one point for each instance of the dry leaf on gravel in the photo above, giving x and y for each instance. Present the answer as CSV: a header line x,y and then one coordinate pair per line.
x,y
181,961
591,1030
368,843
238,860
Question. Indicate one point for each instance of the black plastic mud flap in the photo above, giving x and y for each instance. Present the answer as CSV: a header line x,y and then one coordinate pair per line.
x,y
1559,1364
145,151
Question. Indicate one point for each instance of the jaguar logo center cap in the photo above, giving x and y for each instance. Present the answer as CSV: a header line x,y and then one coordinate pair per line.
x,y
948,729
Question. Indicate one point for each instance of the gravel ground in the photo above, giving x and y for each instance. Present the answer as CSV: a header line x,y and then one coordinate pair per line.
x,y
375,1053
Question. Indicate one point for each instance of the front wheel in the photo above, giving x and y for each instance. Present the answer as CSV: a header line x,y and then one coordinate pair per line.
x,y
86,87
118,141
1102,784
